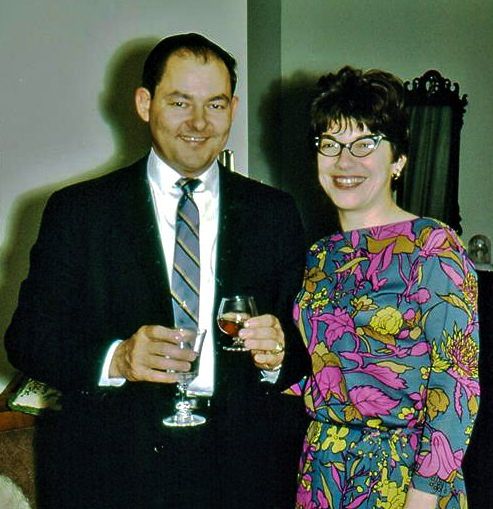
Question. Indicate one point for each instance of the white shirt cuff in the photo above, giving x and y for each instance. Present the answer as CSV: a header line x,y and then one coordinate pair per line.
x,y
270,376
105,380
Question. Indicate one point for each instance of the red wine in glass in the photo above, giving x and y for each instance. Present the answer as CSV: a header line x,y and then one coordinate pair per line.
x,y
231,327
233,313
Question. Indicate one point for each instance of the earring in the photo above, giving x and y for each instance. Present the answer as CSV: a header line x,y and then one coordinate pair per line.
x,y
396,174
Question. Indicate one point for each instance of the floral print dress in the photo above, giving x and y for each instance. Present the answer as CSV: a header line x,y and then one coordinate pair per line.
x,y
389,316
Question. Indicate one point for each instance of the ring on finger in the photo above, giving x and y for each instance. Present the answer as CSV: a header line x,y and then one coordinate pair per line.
x,y
278,349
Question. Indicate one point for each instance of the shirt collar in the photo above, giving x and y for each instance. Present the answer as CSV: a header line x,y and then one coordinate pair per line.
x,y
164,177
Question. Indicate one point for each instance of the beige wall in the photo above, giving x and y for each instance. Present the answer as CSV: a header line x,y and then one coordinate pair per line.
x,y
66,68
409,37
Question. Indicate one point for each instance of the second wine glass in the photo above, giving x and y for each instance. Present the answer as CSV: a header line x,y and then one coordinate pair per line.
x,y
232,314
192,340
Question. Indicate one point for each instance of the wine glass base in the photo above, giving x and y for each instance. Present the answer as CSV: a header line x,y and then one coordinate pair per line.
x,y
178,421
235,348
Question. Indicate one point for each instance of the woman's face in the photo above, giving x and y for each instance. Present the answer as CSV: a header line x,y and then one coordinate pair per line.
x,y
358,184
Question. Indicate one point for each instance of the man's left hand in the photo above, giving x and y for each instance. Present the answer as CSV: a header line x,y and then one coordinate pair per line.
x,y
264,337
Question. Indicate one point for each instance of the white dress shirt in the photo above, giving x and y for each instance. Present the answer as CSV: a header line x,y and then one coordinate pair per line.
x,y
166,194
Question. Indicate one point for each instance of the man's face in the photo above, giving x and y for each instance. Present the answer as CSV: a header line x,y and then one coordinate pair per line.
x,y
191,112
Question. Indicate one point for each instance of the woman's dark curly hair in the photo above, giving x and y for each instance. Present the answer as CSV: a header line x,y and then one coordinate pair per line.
x,y
374,99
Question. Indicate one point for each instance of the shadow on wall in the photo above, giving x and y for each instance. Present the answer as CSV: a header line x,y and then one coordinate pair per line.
x,y
131,141
287,143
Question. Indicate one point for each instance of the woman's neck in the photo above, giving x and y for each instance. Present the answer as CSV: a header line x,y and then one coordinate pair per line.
x,y
352,220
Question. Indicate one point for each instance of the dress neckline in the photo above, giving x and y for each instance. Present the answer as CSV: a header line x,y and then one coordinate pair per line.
x,y
387,225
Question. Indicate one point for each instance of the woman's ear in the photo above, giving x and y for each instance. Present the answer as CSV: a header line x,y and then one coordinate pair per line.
x,y
399,164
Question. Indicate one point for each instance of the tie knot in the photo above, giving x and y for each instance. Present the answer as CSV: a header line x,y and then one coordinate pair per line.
x,y
188,185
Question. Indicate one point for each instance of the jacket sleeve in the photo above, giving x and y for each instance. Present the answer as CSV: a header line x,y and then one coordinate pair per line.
x,y
43,340
296,362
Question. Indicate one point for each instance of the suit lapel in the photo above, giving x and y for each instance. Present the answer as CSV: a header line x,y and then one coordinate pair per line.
x,y
230,224
146,242
233,370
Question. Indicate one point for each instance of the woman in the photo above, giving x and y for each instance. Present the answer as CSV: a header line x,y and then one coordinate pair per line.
x,y
388,313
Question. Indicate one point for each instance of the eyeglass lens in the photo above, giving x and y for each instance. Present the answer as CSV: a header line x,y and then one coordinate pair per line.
x,y
359,148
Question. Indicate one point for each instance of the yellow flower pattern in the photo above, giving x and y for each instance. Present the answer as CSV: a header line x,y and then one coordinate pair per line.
x,y
335,439
387,320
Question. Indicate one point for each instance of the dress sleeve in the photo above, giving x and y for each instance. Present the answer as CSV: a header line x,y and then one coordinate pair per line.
x,y
451,385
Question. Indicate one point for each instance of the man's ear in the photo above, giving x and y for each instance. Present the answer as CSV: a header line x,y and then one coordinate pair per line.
x,y
143,103
234,104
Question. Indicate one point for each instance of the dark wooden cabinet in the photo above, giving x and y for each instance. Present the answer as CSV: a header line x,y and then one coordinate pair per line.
x,y
478,462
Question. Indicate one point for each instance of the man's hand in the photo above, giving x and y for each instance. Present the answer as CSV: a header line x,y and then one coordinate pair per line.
x,y
263,335
152,354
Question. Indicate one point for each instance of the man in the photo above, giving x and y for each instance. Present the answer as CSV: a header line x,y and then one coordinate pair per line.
x,y
96,317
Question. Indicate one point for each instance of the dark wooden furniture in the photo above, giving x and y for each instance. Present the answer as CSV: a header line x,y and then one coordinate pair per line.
x,y
432,172
16,445
478,461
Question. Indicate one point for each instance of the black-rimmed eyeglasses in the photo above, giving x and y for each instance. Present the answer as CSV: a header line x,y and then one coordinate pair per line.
x,y
360,147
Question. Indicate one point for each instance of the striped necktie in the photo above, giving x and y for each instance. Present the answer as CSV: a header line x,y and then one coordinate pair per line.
x,y
185,284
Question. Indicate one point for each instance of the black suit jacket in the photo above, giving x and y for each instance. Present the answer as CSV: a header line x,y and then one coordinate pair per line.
x,y
97,273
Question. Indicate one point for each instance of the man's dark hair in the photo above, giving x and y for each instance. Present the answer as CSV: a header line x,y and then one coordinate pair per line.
x,y
196,44
374,99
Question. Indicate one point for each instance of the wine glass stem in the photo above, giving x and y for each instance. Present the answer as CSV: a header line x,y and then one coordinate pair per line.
x,y
182,388
182,407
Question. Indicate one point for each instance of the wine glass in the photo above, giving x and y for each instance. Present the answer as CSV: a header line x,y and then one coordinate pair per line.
x,y
233,313
192,339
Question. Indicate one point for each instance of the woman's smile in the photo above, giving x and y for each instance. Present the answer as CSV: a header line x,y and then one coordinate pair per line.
x,y
344,182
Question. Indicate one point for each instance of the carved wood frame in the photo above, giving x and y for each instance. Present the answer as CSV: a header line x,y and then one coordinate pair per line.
x,y
432,89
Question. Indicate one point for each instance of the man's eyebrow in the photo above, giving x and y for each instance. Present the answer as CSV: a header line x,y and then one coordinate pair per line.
x,y
176,94
220,97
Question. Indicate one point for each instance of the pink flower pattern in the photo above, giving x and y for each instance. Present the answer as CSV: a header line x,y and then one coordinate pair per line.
x,y
393,332
371,401
338,323
441,460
